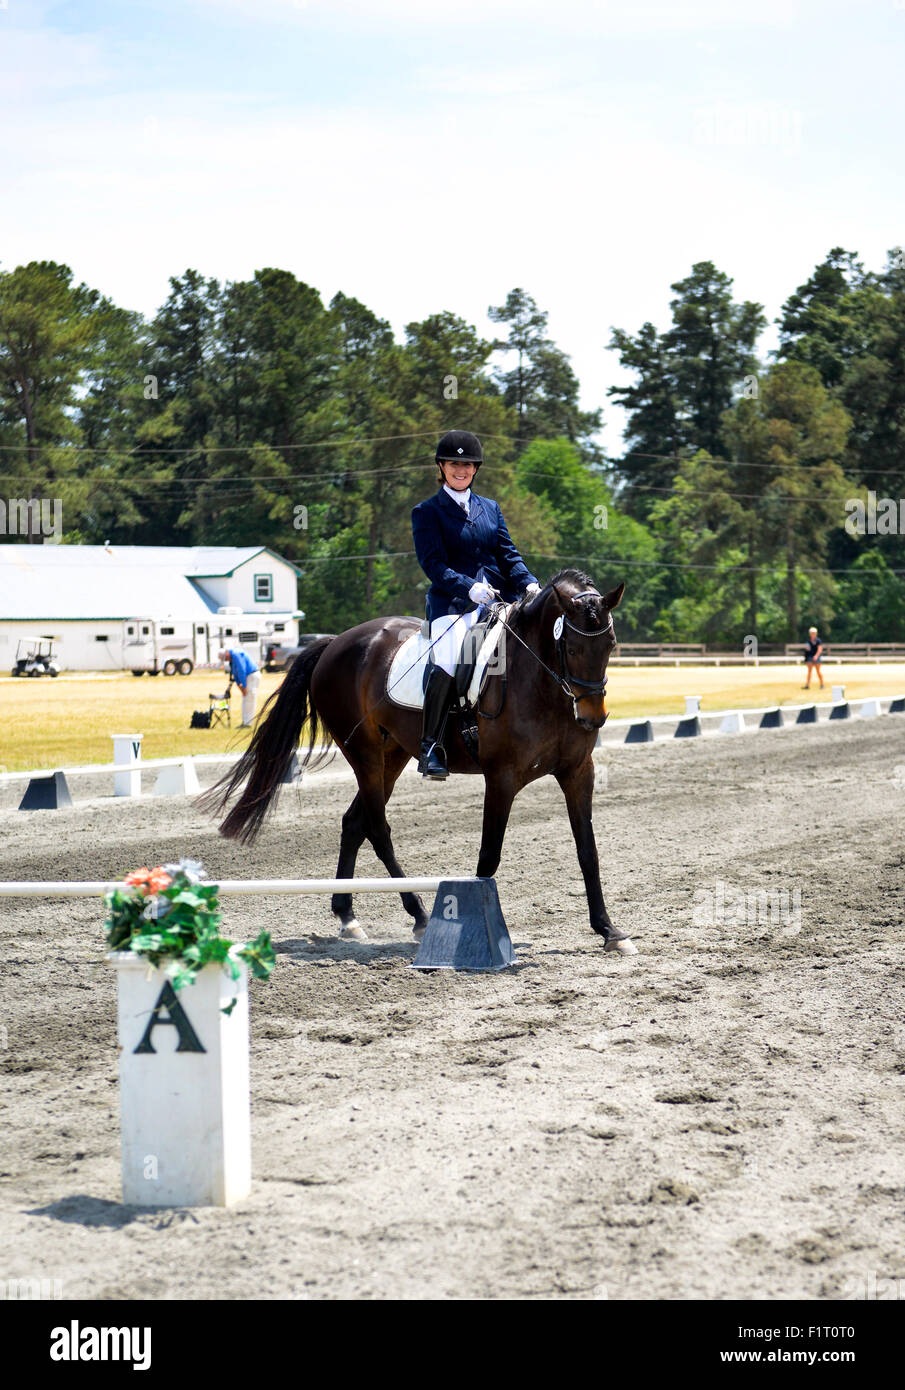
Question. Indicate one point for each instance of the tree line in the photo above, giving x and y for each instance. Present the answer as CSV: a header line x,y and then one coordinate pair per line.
x,y
251,412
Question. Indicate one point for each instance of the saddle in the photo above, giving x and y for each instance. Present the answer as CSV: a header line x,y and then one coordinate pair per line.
x,y
479,657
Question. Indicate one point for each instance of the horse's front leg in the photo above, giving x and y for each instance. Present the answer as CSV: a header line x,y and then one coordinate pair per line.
x,y
578,788
499,794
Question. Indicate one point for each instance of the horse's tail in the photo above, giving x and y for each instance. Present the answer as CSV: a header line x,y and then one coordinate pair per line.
x,y
267,758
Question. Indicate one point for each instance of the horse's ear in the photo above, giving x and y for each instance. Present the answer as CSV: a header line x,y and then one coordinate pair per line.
x,y
531,605
614,598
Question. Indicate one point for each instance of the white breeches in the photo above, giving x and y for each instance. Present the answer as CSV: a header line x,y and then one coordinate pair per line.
x,y
249,699
451,630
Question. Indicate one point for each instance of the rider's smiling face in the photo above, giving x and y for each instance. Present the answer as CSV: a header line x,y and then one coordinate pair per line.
x,y
457,473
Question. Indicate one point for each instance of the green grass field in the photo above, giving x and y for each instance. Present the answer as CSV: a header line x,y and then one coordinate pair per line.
x,y
64,722
636,691
67,721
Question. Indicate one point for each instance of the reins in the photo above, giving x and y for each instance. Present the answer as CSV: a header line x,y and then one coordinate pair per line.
x,y
565,680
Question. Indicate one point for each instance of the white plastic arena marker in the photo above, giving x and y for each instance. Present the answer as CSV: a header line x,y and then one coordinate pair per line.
x,y
179,779
733,723
693,704
294,772
838,694
184,1086
869,709
126,749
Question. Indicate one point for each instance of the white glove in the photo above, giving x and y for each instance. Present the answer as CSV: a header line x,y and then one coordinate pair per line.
x,y
481,593
532,589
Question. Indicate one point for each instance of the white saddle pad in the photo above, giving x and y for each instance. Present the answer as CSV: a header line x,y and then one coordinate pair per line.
x,y
405,678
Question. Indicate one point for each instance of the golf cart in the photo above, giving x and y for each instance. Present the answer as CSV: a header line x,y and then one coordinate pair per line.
x,y
35,656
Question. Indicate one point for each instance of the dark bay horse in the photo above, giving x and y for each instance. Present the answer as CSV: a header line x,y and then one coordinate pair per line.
x,y
558,644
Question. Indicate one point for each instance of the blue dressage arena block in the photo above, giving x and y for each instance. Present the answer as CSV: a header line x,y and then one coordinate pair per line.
x,y
771,719
840,710
641,733
808,715
688,728
897,706
466,930
46,794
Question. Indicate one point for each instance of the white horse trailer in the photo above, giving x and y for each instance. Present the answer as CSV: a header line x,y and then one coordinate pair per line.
x,y
159,644
176,646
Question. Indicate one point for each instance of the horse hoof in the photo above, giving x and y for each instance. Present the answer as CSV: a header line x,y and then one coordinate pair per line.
x,y
353,931
624,947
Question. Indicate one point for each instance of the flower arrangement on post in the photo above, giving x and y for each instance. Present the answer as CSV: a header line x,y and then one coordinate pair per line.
x,y
171,915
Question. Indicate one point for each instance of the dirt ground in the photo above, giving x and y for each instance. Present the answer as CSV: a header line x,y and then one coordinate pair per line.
x,y
718,1117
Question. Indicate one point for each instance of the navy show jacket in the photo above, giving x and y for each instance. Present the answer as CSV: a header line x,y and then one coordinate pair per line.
x,y
453,549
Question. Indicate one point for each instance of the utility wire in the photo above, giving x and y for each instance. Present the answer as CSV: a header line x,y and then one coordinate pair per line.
x,y
201,451
611,561
224,486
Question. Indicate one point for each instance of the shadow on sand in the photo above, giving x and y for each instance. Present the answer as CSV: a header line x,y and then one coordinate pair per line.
x,y
82,1210
320,950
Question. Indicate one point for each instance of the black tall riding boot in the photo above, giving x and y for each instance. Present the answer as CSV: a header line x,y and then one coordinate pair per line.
x,y
432,762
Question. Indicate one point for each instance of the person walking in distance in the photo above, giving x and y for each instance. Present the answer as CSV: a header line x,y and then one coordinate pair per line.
x,y
813,654
466,552
245,673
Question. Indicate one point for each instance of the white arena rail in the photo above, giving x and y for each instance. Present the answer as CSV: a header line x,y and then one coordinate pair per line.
x,y
140,765
703,713
247,887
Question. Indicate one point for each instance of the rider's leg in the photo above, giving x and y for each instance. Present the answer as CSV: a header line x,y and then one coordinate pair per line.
x,y
447,635
437,695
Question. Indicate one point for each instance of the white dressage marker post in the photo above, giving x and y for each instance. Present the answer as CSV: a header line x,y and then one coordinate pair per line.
x,y
693,704
184,1086
733,723
838,694
869,709
126,749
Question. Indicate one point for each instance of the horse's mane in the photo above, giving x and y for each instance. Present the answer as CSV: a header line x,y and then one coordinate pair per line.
x,y
577,577
594,615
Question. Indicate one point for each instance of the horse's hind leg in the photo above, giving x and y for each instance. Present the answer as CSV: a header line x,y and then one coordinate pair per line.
x,y
366,818
394,762
395,759
351,840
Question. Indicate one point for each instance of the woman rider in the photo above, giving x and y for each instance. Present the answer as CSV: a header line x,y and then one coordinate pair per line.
x,y
464,549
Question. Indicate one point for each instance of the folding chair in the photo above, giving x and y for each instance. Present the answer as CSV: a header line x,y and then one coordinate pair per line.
x,y
219,708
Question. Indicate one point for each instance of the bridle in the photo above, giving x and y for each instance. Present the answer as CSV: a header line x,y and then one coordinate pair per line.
x,y
564,679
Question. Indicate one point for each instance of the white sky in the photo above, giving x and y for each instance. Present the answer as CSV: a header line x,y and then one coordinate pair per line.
x,y
424,156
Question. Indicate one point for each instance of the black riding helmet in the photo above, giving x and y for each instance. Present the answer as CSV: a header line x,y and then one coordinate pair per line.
x,y
458,446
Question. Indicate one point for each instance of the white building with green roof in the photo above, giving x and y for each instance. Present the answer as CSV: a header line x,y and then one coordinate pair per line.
x,y
121,607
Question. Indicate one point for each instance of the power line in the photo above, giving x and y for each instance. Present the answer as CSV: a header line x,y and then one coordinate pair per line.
x,y
231,448
162,486
202,450
612,562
